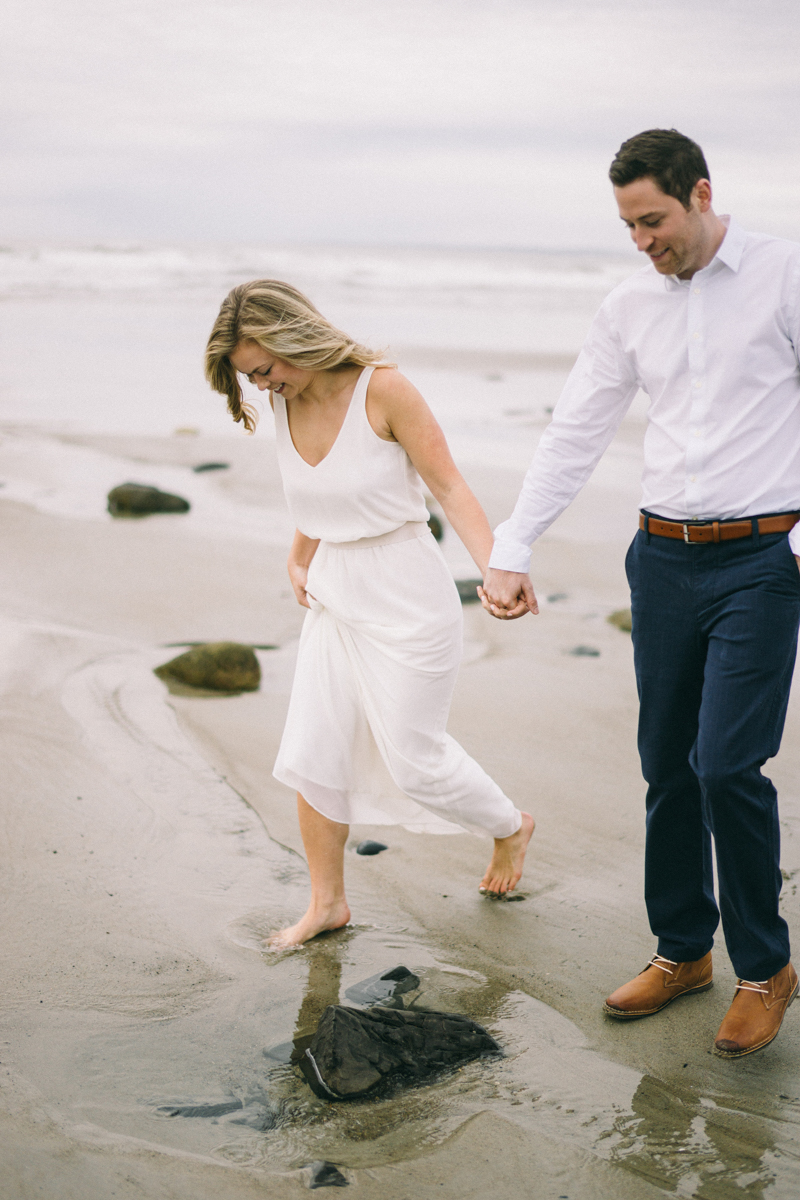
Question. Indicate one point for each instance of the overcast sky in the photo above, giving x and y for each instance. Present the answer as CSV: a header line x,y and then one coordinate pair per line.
x,y
456,122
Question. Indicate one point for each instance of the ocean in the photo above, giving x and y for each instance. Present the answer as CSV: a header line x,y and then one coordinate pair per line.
x,y
110,339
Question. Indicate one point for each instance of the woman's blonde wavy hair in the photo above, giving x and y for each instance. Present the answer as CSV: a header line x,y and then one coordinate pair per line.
x,y
285,323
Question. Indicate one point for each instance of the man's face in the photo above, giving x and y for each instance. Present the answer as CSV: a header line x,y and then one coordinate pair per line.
x,y
671,236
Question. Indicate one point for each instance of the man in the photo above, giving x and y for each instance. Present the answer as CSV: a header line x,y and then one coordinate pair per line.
x,y
710,330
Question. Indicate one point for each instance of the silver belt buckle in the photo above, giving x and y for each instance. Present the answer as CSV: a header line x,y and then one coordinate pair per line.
x,y
686,533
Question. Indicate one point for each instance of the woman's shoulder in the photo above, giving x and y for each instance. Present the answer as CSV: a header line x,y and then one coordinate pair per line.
x,y
388,384
391,398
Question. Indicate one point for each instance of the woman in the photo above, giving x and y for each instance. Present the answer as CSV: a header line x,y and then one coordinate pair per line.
x,y
365,738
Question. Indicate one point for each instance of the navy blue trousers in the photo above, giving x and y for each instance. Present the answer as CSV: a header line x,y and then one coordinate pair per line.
x,y
714,639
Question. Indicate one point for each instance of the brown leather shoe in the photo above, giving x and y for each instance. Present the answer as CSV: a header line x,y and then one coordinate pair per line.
x,y
755,1016
661,982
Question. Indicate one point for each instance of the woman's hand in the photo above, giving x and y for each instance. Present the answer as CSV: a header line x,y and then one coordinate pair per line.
x,y
300,558
298,577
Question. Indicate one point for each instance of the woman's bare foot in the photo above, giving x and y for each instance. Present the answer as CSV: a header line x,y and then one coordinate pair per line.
x,y
505,870
317,919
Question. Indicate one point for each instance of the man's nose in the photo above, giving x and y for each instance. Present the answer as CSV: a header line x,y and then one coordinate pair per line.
x,y
643,238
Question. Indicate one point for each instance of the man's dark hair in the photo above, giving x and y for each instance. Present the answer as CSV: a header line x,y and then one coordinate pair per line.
x,y
674,161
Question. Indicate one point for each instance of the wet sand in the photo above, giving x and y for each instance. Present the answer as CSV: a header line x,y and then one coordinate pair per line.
x,y
146,849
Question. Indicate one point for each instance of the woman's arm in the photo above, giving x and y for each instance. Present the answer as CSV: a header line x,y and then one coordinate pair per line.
x,y
397,411
300,556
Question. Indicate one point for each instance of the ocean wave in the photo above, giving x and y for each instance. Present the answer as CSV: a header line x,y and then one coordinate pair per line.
x,y
375,273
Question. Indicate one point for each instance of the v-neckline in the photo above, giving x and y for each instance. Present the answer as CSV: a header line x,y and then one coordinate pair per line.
x,y
325,457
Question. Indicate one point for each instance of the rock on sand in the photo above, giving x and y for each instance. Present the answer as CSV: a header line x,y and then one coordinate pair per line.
x,y
139,500
218,666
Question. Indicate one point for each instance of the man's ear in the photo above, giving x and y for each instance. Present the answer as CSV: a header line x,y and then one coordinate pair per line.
x,y
702,193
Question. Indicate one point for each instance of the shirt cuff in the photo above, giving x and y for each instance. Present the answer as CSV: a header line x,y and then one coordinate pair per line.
x,y
794,538
510,556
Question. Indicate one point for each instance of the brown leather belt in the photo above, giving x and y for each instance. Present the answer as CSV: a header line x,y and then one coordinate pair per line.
x,y
717,531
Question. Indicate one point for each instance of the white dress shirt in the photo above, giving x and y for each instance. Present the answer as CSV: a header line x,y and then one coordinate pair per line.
x,y
717,356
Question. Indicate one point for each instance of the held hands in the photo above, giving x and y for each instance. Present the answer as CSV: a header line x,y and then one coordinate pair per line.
x,y
507,594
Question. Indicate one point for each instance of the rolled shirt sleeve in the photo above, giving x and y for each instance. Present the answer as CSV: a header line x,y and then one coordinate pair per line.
x,y
596,397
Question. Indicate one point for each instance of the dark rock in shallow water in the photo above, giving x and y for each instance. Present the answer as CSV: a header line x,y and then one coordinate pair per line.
x,y
369,847
467,590
139,500
354,1051
210,466
435,526
379,989
218,666
326,1174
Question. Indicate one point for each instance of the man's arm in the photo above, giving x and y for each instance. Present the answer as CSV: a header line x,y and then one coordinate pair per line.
x,y
596,397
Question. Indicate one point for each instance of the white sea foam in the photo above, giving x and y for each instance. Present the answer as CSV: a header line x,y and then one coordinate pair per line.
x,y
385,274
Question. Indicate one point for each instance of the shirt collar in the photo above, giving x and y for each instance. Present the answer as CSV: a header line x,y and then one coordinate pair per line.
x,y
729,254
732,248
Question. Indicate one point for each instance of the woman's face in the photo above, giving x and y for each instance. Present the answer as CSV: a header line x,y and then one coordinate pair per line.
x,y
268,372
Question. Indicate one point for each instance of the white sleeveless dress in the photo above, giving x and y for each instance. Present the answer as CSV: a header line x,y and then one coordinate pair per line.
x,y
365,739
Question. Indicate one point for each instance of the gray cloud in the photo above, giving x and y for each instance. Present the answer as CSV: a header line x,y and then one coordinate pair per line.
x,y
404,121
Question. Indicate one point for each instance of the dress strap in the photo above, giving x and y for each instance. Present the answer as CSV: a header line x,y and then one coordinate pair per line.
x,y
279,413
360,393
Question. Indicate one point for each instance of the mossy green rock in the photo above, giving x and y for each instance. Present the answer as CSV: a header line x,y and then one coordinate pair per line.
x,y
622,619
217,666
139,500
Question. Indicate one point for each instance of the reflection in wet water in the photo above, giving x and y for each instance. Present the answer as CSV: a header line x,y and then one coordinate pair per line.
x,y
401,1123
550,1083
693,1145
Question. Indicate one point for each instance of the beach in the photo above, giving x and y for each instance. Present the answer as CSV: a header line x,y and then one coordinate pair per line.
x,y
147,850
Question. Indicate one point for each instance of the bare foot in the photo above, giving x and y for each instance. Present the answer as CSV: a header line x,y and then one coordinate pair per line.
x,y
505,870
317,920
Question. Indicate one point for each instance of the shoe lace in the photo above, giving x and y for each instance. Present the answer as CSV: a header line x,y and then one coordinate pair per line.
x,y
658,960
748,985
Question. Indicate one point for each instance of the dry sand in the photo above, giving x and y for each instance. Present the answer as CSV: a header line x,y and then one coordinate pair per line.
x,y
146,849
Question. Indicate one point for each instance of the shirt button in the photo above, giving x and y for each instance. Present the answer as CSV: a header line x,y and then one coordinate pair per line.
x,y
697,433
695,336
697,293
698,383
692,478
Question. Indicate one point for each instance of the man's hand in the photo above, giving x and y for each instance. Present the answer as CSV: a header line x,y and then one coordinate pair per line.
x,y
508,594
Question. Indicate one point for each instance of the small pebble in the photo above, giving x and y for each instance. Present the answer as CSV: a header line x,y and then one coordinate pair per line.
x,y
326,1174
584,652
369,847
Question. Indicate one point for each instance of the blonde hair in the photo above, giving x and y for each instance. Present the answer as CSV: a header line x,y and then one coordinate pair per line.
x,y
285,323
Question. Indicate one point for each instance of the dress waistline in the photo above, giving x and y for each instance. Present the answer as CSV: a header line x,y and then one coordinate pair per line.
x,y
405,533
